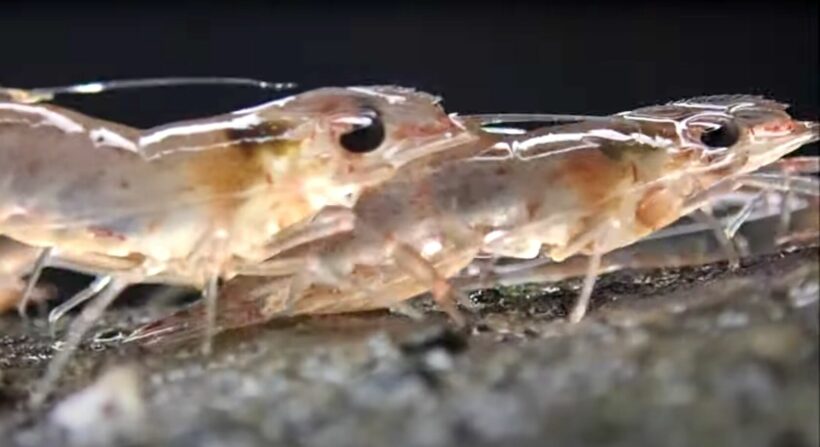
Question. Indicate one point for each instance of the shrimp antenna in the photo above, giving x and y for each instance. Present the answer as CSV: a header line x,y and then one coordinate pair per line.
x,y
507,118
524,121
41,94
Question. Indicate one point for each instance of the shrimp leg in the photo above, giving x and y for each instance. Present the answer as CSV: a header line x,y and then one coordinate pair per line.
x,y
581,305
443,293
39,265
16,260
79,326
725,240
93,289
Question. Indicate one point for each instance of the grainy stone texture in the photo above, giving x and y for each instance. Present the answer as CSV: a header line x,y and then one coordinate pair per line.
x,y
701,356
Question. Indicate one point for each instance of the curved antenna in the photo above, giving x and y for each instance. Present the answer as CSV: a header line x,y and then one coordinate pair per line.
x,y
40,94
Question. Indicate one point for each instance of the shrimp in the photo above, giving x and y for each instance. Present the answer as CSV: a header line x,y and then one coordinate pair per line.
x,y
574,191
192,202
185,200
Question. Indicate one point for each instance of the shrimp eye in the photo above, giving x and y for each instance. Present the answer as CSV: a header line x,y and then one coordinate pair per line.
x,y
725,135
365,137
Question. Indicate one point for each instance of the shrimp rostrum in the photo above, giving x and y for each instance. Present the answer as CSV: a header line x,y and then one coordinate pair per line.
x,y
583,188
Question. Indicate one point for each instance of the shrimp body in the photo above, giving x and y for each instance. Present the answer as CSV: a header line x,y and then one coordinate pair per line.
x,y
192,202
601,184
162,197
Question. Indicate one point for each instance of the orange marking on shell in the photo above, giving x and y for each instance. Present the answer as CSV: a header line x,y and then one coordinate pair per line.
x,y
593,175
658,208
231,170
227,170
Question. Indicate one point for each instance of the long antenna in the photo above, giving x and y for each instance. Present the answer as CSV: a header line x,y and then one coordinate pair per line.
x,y
40,94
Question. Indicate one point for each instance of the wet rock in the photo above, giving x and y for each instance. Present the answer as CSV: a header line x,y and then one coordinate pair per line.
x,y
107,412
702,356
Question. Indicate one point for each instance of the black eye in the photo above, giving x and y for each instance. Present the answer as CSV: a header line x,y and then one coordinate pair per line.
x,y
724,136
364,137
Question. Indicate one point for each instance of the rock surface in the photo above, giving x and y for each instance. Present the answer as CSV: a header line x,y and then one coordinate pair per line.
x,y
700,356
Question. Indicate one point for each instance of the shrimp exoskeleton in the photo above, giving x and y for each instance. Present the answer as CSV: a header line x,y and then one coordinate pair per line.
x,y
585,188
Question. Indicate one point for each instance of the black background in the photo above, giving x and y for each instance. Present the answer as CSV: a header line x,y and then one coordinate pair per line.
x,y
590,58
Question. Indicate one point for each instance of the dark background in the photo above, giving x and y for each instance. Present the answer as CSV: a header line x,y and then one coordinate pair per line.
x,y
591,58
